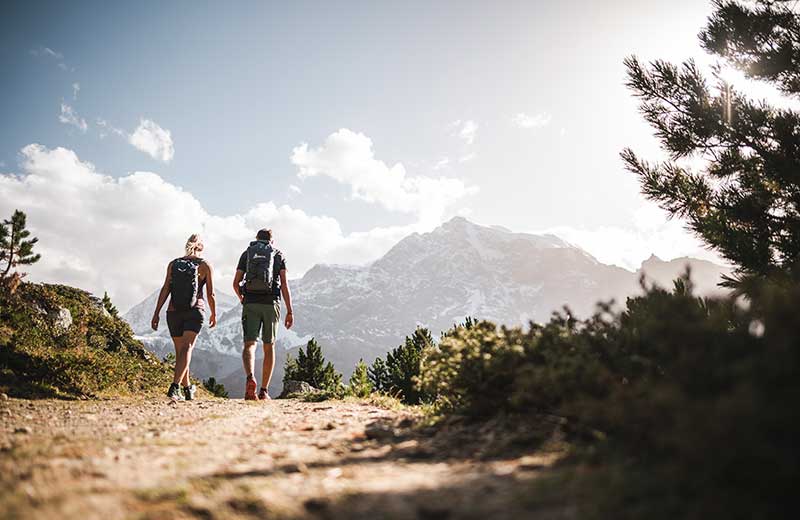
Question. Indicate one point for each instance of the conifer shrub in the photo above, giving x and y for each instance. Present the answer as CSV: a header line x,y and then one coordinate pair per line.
x,y
398,374
215,388
359,384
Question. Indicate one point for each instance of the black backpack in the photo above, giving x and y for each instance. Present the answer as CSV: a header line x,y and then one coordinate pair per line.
x,y
258,277
184,283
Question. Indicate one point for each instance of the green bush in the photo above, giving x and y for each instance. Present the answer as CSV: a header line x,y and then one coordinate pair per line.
x,y
692,400
311,367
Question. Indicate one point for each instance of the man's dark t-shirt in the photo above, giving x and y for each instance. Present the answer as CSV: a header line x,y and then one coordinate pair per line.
x,y
278,263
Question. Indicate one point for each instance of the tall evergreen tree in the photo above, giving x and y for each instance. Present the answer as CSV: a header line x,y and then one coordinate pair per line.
x,y
311,367
403,363
15,246
379,375
740,191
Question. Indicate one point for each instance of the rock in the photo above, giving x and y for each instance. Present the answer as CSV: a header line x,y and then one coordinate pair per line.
x,y
26,430
3,397
293,388
62,320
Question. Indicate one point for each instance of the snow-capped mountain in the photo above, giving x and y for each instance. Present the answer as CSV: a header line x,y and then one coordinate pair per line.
x,y
433,279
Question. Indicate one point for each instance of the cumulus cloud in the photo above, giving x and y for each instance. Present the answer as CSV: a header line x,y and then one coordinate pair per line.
x,y
68,116
523,120
652,232
102,233
466,130
76,87
153,140
467,158
106,127
348,157
295,189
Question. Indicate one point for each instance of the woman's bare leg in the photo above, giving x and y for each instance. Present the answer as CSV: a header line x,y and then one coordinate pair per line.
x,y
184,356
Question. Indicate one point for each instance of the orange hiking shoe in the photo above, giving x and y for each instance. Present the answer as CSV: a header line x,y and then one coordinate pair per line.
x,y
263,395
250,389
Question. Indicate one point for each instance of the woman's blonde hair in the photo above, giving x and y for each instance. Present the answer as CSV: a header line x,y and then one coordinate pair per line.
x,y
194,245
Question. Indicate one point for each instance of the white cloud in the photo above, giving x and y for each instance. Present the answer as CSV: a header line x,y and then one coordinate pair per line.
x,y
295,189
524,120
441,163
68,116
117,234
467,158
652,232
105,127
466,130
47,52
153,140
347,157
76,87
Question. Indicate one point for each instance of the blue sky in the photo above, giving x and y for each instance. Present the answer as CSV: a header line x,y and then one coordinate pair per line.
x,y
511,113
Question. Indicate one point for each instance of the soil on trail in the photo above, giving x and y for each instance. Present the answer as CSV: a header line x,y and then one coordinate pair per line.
x,y
276,459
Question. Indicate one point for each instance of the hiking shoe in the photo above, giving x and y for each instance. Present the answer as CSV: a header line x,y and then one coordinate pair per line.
x,y
189,392
250,389
263,395
174,392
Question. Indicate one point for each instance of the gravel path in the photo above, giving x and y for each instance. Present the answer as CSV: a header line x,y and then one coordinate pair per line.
x,y
235,459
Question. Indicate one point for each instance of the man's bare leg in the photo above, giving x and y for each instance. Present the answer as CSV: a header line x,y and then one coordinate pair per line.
x,y
249,358
269,364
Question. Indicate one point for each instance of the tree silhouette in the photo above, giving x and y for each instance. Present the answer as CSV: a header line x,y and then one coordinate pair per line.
x,y
733,163
15,246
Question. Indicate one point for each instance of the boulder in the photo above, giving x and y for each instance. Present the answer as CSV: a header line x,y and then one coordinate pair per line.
x,y
293,388
62,320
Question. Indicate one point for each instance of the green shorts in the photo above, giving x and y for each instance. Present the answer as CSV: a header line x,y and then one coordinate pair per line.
x,y
256,315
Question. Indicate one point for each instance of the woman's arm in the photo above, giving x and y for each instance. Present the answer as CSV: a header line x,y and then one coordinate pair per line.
x,y
212,297
162,297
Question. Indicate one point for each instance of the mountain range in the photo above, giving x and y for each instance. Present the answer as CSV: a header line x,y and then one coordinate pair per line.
x,y
434,280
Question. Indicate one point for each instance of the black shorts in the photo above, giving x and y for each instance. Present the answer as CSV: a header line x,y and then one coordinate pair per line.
x,y
179,322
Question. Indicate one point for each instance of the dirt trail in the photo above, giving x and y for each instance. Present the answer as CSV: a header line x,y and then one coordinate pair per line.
x,y
236,459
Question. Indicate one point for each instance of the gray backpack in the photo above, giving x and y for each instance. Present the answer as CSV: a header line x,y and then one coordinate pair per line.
x,y
259,275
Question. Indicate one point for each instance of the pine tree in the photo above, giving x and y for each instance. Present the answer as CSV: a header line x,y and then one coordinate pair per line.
x,y
744,198
15,247
216,389
109,306
379,375
311,367
360,385
402,365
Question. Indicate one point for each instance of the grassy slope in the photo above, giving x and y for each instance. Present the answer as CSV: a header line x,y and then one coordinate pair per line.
x,y
95,356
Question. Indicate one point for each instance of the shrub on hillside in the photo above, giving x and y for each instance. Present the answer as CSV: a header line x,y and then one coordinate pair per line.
x,y
692,397
60,341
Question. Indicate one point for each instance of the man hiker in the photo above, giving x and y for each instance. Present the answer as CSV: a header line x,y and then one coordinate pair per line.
x,y
259,283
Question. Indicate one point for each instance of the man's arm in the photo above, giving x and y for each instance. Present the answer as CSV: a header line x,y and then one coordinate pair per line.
x,y
237,280
287,299
162,297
